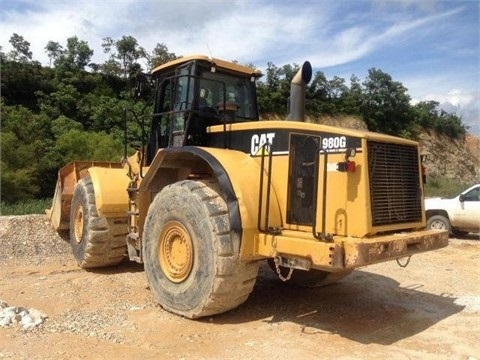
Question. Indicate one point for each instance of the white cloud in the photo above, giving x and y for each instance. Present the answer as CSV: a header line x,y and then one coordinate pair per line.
x,y
455,97
464,104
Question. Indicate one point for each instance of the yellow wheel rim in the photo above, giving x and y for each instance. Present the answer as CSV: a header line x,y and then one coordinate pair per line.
x,y
175,252
78,224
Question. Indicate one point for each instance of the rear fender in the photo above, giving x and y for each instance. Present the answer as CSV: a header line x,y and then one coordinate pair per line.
x,y
237,173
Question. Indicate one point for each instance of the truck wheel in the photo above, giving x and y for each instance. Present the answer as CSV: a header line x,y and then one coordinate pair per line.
x,y
438,222
311,278
191,255
95,241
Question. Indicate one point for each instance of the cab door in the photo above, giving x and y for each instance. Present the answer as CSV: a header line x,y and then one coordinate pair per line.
x,y
467,212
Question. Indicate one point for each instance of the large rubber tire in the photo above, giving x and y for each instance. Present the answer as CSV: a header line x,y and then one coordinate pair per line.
x,y
191,256
439,222
96,241
311,278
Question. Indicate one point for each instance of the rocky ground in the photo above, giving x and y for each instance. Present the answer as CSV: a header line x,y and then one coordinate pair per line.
x,y
457,159
428,310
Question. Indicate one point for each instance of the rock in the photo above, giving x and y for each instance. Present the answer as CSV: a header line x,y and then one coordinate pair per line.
x,y
450,158
26,318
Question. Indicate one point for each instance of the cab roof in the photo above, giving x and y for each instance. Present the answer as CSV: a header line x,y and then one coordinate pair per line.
x,y
214,61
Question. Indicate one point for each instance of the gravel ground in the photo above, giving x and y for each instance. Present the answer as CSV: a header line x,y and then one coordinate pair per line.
x,y
429,310
30,236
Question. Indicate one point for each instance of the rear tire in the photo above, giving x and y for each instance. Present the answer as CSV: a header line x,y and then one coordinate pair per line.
x,y
439,222
311,278
191,255
96,241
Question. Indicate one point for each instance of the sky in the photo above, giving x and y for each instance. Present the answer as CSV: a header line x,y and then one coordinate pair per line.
x,y
431,46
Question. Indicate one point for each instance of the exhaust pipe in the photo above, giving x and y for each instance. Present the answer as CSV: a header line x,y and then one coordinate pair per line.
x,y
296,105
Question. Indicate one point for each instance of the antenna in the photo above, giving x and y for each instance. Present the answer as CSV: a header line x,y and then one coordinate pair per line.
x,y
208,48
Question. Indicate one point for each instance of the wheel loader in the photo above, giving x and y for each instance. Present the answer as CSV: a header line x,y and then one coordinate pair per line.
x,y
214,191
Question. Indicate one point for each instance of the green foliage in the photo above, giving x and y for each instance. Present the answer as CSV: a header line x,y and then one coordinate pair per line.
x,y
428,116
124,54
21,49
76,55
54,50
160,55
82,145
20,81
25,207
274,91
444,187
385,104
382,103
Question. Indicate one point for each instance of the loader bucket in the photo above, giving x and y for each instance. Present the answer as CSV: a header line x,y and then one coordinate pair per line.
x,y
67,179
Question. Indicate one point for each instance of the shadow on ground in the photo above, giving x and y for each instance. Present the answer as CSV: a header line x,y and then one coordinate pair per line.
x,y
364,307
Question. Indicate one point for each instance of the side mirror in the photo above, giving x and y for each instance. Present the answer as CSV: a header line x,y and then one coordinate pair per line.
x,y
461,198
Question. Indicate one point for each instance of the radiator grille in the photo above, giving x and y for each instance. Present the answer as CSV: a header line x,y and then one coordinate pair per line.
x,y
395,194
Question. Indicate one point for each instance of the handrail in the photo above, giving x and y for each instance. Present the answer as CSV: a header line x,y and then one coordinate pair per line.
x,y
265,147
322,236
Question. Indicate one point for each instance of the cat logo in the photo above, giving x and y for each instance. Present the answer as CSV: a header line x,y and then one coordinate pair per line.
x,y
259,140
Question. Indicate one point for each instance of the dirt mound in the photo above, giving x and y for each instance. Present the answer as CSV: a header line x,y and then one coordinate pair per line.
x,y
27,236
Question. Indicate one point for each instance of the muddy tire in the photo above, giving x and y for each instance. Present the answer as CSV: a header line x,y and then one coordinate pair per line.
x,y
311,278
191,255
96,241
439,222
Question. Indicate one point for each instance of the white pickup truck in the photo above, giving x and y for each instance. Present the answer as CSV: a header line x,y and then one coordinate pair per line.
x,y
459,215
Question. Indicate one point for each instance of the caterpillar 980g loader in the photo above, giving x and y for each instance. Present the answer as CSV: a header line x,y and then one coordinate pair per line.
x,y
214,191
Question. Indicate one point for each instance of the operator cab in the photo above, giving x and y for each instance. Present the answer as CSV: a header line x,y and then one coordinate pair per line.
x,y
196,92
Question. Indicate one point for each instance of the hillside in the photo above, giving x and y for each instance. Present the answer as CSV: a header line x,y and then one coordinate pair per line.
x,y
452,158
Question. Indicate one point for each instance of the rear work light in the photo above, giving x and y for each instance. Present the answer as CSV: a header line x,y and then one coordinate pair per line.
x,y
346,166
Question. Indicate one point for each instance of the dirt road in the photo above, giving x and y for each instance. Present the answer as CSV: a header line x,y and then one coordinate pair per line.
x,y
428,310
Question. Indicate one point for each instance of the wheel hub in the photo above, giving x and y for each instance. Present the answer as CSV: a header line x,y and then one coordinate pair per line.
x,y
175,252
438,225
78,224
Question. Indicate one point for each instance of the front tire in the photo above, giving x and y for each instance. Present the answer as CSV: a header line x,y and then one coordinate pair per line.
x,y
191,255
439,222
96,241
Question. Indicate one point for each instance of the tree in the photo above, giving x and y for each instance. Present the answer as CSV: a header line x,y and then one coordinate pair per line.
x,y
160,55
76,55
320,95
82,145
125,58
21,49
428,116
385,104
54,50
273,93
24,141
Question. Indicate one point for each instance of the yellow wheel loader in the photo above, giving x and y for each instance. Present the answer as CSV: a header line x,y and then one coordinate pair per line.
x,y
214,191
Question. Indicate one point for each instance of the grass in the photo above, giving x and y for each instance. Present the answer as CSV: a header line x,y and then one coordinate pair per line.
x,y
25,207
443,187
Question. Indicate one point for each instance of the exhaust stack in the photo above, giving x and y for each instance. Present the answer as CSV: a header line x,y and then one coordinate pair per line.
x,y
296,105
